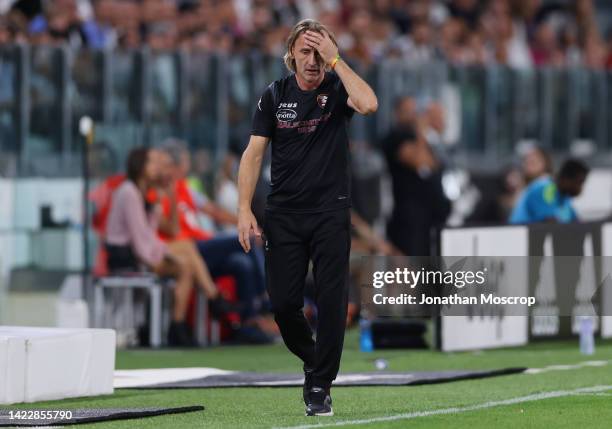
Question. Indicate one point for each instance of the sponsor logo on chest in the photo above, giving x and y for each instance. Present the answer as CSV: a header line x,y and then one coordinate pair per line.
x,y
286,116
286,112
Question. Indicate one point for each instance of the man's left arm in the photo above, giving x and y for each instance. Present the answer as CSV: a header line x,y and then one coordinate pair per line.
x,y
361,97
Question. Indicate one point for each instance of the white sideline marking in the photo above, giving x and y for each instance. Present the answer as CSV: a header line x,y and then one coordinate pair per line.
x,y
588,363
441,411
593,394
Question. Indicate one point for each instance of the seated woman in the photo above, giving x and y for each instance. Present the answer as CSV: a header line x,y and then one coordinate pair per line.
x,y
222,253
131,240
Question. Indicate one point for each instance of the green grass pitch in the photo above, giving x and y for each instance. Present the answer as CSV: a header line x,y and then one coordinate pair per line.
x,y
364,406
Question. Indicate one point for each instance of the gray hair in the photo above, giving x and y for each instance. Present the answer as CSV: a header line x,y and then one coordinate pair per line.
x,y
175,148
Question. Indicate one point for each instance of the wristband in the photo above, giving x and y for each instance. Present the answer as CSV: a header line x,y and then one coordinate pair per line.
x,y
334,61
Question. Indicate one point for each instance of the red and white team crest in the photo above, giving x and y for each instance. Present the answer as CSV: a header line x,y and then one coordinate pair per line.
x,y
322,100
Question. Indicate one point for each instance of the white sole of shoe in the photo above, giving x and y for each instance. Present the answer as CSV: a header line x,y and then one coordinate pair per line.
x,y
328,414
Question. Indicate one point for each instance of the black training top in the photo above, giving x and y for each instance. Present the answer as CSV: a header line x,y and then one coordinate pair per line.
x,y
410,189
308,133
408,186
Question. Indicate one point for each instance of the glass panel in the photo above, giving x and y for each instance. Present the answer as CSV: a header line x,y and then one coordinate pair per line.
x,y
525,112
86,86
42,154
124,129
44,99
243,97
141,98
86,91
201,101
471,83
125,87
562,129
9,144
163,69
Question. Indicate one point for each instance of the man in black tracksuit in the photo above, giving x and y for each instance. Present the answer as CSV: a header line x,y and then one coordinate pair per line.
x,y
305,117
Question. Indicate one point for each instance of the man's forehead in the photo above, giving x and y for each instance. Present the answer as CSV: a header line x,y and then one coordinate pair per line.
x,y
300,42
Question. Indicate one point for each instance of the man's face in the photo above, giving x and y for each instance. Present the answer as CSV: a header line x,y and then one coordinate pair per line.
x,y
152,167
534,165
572,186
309,65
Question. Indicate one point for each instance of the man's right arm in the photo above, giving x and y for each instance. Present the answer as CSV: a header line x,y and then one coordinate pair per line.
x,y
248,175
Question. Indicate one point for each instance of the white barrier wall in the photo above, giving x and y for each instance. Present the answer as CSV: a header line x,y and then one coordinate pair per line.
x,y
21,241
595,201
606,252
12,369
469,333
38,364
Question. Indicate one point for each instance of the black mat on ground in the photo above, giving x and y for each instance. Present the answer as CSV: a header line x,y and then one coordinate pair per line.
x,y
381,378
84,415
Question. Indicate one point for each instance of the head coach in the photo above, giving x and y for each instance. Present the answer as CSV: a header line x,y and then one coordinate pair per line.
x,y
305,117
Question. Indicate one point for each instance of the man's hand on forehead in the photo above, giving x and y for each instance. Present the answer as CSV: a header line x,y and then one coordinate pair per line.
x,y
322,43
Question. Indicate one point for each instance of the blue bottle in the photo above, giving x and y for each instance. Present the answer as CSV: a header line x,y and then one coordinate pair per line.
x,y
587,335
365,337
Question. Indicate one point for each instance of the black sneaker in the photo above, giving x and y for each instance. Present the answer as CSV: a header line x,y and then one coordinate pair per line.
x,y
319,403
179,335
307,384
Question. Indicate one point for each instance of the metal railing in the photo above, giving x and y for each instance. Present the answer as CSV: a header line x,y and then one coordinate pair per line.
x,y
141,97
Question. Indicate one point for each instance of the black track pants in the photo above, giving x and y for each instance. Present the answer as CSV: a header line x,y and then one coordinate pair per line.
x,y
292,240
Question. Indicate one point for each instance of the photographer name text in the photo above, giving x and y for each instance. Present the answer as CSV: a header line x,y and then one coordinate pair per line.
x,y
483,299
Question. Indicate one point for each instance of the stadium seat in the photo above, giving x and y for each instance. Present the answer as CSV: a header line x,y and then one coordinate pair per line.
x,y
158,312
129,282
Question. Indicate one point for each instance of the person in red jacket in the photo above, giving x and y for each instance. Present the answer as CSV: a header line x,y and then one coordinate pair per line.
x,y
128,224
222,252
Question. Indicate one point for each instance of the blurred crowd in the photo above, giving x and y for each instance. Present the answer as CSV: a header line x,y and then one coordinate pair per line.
x,y
429,192
518,33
